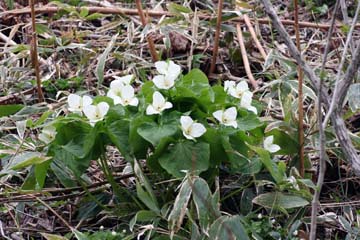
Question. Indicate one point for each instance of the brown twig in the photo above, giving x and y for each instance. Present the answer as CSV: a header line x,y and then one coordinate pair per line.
x,y
34,53
244,57
126,11
217,36
254,37
300,94
322,136
150,41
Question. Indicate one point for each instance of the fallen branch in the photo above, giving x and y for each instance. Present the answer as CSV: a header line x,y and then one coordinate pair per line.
x,y
336,118
217,36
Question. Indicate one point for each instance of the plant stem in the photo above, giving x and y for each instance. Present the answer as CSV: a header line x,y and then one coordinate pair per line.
x,y
150,41
217,36
34,53
300,94
322,137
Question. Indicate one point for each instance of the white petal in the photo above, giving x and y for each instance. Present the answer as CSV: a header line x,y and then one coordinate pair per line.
x,y
273,148
134,102
252,109
44,137
197,129
228,85
186,122
246,99
230,114
169,81
268,140
74,102
125,80
86,101
159,81
127,92
150,110
117,84
168,105
188,136
162,67
158,100
90,112
49,130
242,86
219,115
103,108
174,69
231,124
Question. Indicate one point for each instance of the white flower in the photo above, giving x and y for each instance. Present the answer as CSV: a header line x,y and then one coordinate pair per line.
x,y
77,103
295,233
191,129
259,216
48,134
168,68
293,181
227,117
169,73
113,233
238,90
229,86
269,146
96,113
127,97
245,101
125,80
158,105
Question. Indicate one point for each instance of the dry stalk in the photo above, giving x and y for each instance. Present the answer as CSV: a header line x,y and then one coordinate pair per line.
x,y
254,37
244,57
322,137
217,36
300,94
34,53
127,11
150,41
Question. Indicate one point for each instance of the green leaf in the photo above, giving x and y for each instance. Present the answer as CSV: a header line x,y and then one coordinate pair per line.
x,y
41,28
186,156
95,16
177,214
79,235
217,151
227,227
7,110
28,159
142,216
48,236
248,122
178,9
277,173
99,71
278,200
206,207
354,97
153,132
196,81
84,12
146,198
139,146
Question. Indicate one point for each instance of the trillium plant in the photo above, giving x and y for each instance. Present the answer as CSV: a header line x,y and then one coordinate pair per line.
x,y
178,123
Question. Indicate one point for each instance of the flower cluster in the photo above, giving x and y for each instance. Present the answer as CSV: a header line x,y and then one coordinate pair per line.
x,y
94,113
122,92
242,92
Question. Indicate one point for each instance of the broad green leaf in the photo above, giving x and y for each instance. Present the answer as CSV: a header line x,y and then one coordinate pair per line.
x,y
146,198
186,156
7,110
196,81
246,201
177,214
278,200
142,216
217,152
27,159
99,71
248,122
207,209
227,227
139,146
84,12
79,235
118,132
153,132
